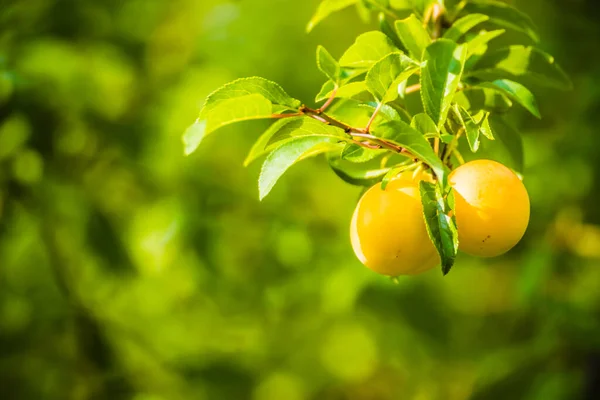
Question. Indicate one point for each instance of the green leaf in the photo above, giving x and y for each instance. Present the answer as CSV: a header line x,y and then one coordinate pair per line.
x,y
307,127
412,140
485,128
328,65
358,154
326,8
478,44
506,148
477,98
286,155
389,31
356,174
503,15
383,78
261,147
440,76
440,226
368,48
521,64
193,136
463,25
347,91
248,86
470,126
424,124
413,35
516,92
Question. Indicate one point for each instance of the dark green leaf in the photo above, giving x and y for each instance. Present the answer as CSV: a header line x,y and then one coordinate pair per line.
x,y
463,25
328,65
383,78
503,15
412,140
440,76
521,64
368,48
440,226
516,92
413,35
287,154
389,31
326,8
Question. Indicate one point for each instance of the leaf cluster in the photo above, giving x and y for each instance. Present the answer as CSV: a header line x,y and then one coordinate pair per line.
x,y
436,74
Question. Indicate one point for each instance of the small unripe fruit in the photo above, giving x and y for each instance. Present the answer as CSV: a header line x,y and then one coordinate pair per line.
x,y
388,231
492,207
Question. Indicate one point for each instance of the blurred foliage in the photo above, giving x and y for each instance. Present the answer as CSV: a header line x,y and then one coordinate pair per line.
x,y
128,271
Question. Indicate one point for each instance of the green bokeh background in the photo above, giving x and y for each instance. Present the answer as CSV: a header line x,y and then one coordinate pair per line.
x,y
128,271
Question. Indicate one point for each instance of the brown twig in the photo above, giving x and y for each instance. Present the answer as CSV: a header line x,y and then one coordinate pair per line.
x,y
413,88
329,100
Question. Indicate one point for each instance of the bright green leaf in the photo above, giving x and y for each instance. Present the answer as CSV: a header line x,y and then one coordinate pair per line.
x,y
368,48
286,155
413,141
440,226
326,8
193,136
347,91
328,65
413,35
248,86
516,92
440,77
383,78
463,25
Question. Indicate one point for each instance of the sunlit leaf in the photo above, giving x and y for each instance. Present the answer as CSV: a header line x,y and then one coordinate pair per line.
x,y
328,65
440,76
479,43
326,8
368,48
261,147
516,92
383,78
359,154
463,25
413,141
286,155
413,35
